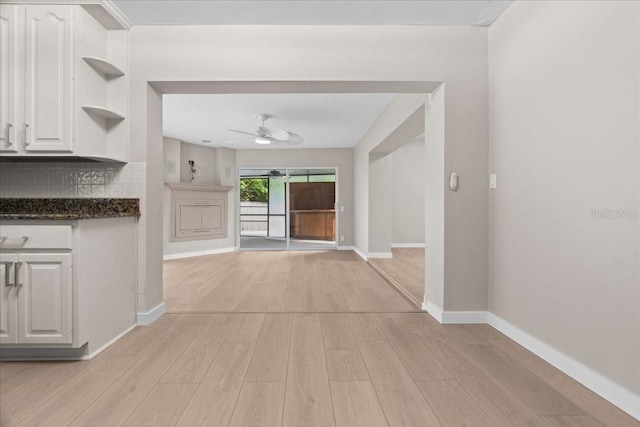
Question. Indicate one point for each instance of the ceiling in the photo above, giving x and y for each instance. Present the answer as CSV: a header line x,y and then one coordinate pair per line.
x,y
323,120
312,12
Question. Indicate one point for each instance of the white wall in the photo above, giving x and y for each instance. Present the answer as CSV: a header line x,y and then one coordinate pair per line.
x,y
205,158
565,134
171,147
214,164
408,193
457,55
380,206
393,116
340,158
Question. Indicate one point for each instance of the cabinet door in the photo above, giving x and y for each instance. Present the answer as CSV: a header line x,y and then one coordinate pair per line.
x,y
10,39
213,217
49,79
8,300
44,298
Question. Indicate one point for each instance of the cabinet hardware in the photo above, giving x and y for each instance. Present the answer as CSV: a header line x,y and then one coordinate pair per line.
x,y
23,238
26,134
7,275
17,274
9,126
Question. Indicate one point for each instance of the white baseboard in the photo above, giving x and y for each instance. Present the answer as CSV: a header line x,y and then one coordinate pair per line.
x,y
61,354
346,248
360,253
198,253
619,396
407,245
104,347
454,317
433,310
144,319
380,255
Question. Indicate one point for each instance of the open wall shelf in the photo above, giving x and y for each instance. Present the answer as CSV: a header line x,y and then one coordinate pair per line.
x,y
104,67
103,112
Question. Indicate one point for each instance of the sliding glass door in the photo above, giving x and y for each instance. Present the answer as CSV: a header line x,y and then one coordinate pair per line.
x,y
287,209
263,209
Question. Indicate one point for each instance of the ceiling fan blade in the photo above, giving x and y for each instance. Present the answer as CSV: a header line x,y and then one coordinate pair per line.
x,y
294,139
273,132
243,132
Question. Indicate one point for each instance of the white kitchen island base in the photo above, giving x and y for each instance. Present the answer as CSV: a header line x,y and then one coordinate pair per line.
x,y
68,288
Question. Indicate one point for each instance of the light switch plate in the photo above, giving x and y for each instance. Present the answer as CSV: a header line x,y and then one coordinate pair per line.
x,y
492,180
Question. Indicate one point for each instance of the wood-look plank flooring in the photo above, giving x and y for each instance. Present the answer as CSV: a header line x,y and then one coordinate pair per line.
x,y
278,281
405,271
302,369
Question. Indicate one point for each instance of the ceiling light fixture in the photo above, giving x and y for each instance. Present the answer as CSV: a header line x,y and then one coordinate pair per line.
x,y
262,140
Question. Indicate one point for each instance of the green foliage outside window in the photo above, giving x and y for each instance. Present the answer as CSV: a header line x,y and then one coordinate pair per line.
x,y
254,189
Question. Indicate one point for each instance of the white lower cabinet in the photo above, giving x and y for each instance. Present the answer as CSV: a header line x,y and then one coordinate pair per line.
x,y
65,287
36,298
8,299
44,298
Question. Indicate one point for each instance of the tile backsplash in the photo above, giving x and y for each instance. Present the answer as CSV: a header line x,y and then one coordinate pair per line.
x,y
81,180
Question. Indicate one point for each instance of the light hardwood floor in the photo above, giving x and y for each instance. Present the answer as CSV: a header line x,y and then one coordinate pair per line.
x,y
302,369
405,271
279,281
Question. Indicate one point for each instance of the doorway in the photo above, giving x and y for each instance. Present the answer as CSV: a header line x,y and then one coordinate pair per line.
x,y
287,208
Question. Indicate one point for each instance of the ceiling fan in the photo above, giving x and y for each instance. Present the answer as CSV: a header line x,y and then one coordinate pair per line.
x,y
266,135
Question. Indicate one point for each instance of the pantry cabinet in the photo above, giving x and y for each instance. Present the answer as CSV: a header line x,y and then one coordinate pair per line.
x,y
59,93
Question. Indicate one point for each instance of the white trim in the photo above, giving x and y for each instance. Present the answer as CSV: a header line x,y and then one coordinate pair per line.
x,y
111,15
454,317
407,245
104,347
380,255
433,310
346,248
360,253
63,357
198,253
607,389
144,319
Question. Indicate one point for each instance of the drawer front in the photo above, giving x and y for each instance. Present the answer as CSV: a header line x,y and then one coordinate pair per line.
x,y
35,237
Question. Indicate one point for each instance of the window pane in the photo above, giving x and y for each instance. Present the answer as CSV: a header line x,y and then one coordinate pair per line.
x,y
322,178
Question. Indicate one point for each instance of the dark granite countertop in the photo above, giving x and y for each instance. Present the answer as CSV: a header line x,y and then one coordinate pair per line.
x,y
68,209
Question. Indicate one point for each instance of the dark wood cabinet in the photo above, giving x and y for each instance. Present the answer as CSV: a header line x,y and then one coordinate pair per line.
x,y
313,213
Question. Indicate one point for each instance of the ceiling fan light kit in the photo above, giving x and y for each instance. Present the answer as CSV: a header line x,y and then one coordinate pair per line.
x,y
266,135
262,141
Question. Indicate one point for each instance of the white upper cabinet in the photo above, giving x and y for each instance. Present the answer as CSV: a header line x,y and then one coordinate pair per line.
x,y
9,39
55,80
49,79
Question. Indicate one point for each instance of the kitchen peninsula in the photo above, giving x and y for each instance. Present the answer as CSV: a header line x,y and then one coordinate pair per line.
x,y
68,276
